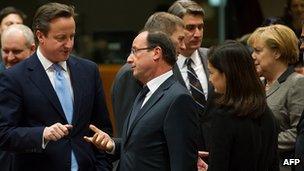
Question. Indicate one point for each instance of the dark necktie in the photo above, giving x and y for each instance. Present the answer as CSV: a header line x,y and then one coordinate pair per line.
x,y
137,104
195,86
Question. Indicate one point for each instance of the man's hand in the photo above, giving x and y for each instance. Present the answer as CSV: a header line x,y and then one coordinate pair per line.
x,y
201,164
100,139
56,131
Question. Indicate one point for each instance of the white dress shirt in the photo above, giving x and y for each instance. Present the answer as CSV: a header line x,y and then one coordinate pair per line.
x,y
198,67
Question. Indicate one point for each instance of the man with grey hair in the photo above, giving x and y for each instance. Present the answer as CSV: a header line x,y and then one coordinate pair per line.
x,y
17,44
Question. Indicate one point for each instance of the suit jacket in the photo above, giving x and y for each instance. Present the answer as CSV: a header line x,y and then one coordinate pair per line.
x,y
243,143
163,135
125,89
28,103
6,158
206,115
285,98
2,67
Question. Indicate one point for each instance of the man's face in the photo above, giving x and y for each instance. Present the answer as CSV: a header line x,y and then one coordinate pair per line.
x,y
15,49
141,59
297,9
194,31
9,20
57,45
178,39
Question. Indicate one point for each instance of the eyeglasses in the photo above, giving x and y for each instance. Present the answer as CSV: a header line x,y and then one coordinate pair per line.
x,y
134,50
192,27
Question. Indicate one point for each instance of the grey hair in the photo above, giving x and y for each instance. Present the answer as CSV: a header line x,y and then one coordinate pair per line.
x,y
25,30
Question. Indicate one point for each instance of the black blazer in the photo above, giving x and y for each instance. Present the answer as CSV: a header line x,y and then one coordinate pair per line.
x,y
163,135
243,143
28,103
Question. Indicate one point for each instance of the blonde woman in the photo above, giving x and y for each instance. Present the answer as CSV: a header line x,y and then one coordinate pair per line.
x,y
275,51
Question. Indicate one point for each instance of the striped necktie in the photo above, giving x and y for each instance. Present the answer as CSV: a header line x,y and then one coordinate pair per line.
x,y
195,85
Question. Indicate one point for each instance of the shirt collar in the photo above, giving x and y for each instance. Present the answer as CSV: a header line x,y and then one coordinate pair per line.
x,y
181,59
156,82
47,64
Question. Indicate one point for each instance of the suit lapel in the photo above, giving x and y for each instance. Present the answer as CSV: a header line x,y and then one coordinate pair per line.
x,y
38,76
76,82
178,75
273,88
156,96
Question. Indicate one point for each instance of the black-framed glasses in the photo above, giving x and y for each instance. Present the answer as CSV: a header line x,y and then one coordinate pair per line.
x,y
134,50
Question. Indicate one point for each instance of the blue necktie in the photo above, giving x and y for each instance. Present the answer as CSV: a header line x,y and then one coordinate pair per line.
x,y
62,89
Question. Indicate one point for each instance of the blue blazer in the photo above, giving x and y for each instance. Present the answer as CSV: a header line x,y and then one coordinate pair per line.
x,y
28,103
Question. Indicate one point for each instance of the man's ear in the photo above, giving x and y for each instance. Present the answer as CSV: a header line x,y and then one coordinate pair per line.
x,y
40,36
157,53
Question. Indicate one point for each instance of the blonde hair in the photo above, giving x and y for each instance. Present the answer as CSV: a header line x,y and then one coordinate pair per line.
x,y
280,38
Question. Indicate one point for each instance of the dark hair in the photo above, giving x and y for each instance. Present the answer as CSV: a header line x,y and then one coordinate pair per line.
x,y
271,21
158,38
163,21
11,10
46,13
181,7
244,90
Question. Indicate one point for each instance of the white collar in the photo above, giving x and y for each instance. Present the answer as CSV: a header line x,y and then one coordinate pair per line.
x,y
156,82
194,56
47,64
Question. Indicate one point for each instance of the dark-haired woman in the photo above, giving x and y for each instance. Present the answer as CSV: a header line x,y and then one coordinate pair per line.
x,y
243,133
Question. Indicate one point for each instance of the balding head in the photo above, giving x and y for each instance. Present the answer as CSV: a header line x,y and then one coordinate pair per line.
x,y
17,44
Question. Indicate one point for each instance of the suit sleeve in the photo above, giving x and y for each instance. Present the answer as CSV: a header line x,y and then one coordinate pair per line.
x,y
181,132
100,118
14,137
295,106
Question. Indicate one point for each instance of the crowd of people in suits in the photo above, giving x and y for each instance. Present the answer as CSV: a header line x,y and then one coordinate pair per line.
x,y
177,106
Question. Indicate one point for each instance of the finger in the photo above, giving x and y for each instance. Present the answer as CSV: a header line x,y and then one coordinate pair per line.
x,y
58,130
94,128
94,138
203,153
88,139
99,139
56,134
68,126
64,129
52,137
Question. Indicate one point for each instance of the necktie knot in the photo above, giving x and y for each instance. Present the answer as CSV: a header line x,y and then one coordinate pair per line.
x,y
144,92
189,62
57,67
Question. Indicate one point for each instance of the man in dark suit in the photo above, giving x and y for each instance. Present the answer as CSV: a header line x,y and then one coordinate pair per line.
x,y
125,87
48,101
17,44
160,132
193,15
